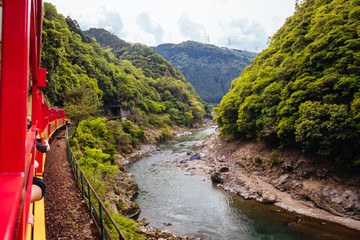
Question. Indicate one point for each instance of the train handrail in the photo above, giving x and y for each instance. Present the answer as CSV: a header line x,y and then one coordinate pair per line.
x,y
97,217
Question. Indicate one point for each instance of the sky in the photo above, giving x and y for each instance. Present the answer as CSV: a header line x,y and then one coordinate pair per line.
x,y
238,24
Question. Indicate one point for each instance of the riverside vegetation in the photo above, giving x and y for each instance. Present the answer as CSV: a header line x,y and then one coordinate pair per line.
x,y
304,89
89,81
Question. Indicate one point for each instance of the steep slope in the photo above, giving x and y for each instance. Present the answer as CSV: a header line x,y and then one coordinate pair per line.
x,y
210,69
141,56
155,94
304,90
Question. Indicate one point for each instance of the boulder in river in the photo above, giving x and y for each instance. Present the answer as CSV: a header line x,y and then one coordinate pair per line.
x,y
195,156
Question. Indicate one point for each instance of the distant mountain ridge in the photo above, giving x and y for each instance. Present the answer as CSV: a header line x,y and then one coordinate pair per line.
x,y
106,38
210,69
140,55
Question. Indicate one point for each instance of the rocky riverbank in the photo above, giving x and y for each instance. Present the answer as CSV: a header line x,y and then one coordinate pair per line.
x,y
125,188
151,146
287,179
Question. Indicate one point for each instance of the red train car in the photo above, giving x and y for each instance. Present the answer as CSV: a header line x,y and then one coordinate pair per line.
x,y
21,98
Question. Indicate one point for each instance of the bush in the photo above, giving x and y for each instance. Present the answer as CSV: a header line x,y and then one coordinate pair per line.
x,y
137,133
326,129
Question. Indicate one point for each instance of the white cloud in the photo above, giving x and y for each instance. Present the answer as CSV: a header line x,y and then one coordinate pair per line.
x,y
190,29
111,20
246,35
146,24
247,23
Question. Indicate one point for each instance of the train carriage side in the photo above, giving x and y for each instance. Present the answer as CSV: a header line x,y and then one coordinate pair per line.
x,y
21,102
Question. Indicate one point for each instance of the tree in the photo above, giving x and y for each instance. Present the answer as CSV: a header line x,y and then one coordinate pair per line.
x,y
326,129
303,90
81,102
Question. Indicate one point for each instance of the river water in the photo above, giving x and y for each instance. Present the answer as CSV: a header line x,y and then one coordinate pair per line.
x,y
195,207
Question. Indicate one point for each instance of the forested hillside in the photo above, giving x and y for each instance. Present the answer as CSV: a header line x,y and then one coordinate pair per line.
x,y
210,69
155,93
141,56
304,89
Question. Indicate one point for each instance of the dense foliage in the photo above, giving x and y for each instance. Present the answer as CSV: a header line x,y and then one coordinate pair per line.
x,y
141,56
154,94
81,102
210,69
96,143
304,89
109,136
82,76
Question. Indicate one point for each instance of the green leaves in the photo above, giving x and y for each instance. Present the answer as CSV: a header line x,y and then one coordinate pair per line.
x,y
248,121
132,76
81,102
326,129
305,86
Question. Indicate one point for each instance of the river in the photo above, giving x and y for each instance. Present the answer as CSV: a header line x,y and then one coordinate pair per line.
x,y
195,207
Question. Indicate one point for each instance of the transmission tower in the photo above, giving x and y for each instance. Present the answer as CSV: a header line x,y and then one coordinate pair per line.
x,y
206,37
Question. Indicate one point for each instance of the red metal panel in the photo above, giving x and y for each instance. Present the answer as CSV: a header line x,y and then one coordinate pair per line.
x,y
10,189
14,75
53,114
39,9
45,114
60,113
39,110
33,42
42,77
34,108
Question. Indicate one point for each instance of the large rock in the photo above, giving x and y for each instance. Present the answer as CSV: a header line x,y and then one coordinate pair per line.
x,y
267,198
124,189
216,177
336,200
132,210
220,173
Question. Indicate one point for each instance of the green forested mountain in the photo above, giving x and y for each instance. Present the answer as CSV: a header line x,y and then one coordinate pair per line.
x,y
209,68
304,89
152,90
141,56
